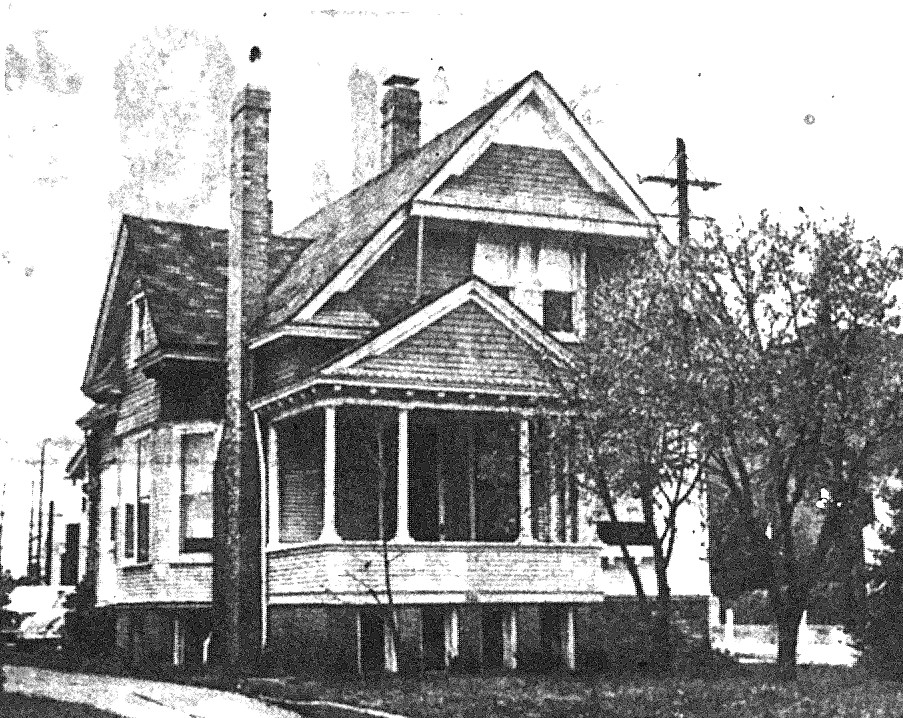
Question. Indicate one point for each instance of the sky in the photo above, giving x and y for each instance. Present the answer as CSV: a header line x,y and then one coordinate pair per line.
x,y
113,107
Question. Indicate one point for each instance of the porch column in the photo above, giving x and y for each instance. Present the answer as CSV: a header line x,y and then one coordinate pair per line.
x,y
273,536
568,643
471,480
402,533
526,508
178,643
555,505
391,650
329,533
451,635
509,639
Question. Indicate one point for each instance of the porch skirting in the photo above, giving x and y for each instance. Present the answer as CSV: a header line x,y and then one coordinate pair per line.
x,y
311,639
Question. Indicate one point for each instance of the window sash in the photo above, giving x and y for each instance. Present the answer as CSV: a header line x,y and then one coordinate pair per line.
x,y
196,498
129,531
558,311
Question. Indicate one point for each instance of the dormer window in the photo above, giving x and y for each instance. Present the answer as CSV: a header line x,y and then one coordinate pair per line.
x,y
558,311
139,326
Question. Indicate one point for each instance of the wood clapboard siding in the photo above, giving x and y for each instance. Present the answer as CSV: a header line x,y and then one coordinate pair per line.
x,y
530,179
463,569
466,348
165,583
286,361
141,397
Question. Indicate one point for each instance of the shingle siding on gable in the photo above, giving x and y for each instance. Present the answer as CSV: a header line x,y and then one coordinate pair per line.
x,y
466,348
287,361
387,289
530,179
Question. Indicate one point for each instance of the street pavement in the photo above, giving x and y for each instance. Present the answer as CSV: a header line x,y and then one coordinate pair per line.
x,y
136,698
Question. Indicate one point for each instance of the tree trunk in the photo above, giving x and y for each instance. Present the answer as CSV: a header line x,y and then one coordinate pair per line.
x,y
788,635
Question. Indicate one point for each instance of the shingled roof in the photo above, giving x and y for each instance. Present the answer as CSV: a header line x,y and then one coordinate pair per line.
x,y
341,229
182,269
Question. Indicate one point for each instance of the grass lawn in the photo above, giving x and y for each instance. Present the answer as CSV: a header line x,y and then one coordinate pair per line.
x,y
13,704
746,693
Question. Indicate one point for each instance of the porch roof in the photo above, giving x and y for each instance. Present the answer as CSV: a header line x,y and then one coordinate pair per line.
x,y
468,347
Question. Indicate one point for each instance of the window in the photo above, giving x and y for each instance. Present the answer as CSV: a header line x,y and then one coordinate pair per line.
x,y
114,524
130,530
139,326
196,505
142,486
558,311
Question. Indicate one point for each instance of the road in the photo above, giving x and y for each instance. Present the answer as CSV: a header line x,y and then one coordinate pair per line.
x,y
137,698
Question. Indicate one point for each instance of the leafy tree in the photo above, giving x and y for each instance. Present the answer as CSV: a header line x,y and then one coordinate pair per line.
x,y
801,392
625,424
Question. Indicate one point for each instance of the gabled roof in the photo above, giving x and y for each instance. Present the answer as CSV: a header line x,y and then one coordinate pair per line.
x,y
365,222
423,364
182,271
341,229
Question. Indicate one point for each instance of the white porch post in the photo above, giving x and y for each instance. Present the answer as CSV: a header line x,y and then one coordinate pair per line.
x,y
526,508
402,531
178,643
509,639
391,650
273,511
329,533
471,480
451,635
568,642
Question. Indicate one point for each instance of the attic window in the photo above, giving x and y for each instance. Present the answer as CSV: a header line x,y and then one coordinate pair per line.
x,y
558,311
139,326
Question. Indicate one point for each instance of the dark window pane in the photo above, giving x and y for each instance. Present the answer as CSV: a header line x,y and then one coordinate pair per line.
x,y
143,531
114,523
558,311
129,530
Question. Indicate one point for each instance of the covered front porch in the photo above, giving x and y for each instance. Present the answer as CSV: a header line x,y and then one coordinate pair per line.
x,y
346,472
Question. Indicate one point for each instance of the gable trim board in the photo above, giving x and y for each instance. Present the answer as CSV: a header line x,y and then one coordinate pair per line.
x,y
308,330
354,269
473,290
100,327
444,210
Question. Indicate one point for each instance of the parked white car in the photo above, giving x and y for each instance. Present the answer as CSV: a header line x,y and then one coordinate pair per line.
x,y
41,611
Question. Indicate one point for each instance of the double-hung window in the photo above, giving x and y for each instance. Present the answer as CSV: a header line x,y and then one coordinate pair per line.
x,y
136,504
198,452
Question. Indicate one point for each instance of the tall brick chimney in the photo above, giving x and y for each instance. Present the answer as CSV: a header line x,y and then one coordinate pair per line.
x,y
401,119
236,557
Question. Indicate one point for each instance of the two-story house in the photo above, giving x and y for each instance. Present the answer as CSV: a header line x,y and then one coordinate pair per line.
x,y
289,428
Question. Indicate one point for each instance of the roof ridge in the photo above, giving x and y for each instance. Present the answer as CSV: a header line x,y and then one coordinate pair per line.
x,y
149,220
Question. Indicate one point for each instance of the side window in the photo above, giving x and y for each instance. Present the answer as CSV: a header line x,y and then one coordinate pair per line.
x,y
196,502
558,311
142,482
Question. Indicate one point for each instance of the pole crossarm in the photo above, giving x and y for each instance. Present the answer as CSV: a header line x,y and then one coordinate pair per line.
x,y
672,181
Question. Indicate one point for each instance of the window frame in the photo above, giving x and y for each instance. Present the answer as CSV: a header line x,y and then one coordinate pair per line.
x,y
203,550
570,328
129,548
139,336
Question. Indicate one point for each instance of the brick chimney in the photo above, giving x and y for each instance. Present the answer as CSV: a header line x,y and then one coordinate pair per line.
x,y
236,557
401,119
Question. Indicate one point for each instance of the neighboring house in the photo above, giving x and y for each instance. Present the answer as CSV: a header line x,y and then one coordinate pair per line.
x,y
65,520
374,372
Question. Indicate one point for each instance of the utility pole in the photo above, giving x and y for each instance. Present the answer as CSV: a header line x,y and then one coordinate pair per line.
x,y
683,184
37,557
